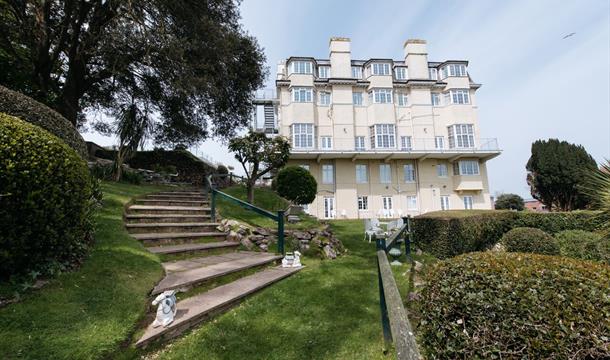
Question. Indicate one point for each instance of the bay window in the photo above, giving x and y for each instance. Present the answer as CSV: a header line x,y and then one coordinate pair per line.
x,y
381,96
461,136
400,73
466,167
383,136
302,136
453,70
457,96
433,74
302,94
301,67
380,69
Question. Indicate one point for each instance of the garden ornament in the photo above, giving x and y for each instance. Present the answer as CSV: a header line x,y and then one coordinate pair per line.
x,y
292,259
167,308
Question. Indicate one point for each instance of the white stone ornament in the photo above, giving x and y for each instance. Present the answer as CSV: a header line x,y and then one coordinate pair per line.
x,y
292,259
167,308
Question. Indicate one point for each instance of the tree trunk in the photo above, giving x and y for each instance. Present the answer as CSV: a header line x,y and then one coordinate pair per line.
x,y
117,169
250,191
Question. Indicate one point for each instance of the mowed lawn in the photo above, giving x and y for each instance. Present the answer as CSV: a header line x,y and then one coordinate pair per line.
x,y
329,310
87,313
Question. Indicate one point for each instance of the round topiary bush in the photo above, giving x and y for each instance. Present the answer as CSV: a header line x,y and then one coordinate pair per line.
x,y
515,306
531,240
16,104
222,170
584,245
297,185
45,199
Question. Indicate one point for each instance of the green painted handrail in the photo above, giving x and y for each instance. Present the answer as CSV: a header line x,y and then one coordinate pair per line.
x,y
279,217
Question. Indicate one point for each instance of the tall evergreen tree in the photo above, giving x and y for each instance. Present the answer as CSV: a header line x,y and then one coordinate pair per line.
x,y
189,61
556,172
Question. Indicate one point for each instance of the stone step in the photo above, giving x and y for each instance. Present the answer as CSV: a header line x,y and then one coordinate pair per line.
x,y
196,309
178,238
188,278
168,210
177,197
197,262
166,218
172,202
158,228
191,248
181,193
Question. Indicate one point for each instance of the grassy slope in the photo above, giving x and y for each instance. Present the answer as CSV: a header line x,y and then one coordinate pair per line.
x,y
89,312
330,310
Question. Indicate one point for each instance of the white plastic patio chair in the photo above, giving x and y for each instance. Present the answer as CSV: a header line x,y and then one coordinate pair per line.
x,y
371,227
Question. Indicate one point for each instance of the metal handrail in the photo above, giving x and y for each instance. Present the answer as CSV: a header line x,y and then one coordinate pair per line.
x,y
279,217
394,321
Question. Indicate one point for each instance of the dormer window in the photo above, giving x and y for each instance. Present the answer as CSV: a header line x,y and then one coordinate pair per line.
x,y
400,73
380,69
357,72
301,67
433,73
323,72
453,70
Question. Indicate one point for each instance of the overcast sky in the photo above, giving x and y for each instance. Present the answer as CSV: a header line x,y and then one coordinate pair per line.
x,y
536,85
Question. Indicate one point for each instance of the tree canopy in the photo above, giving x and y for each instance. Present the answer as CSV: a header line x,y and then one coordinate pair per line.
x,y
556,173
189,62
297,185
509,202
259,155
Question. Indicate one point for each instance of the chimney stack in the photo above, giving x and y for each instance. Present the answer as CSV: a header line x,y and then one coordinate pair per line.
x,y
340,57
416,58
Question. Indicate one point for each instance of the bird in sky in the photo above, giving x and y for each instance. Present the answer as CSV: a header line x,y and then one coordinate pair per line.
x,y
570,34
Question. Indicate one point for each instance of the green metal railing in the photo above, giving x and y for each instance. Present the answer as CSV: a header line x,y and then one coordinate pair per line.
x,y
394,321
278,217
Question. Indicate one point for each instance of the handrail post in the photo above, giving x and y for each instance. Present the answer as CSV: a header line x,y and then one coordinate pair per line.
x,y
213,205
280,232
409,239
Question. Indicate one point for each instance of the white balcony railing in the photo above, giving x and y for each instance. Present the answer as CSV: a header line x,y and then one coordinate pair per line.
x,y
416,145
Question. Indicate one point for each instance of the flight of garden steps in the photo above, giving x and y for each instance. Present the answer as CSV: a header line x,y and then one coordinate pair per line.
x,y
179,223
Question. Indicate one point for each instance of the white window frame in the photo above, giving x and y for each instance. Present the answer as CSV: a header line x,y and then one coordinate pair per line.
x,y
467,167
363,203
359,143
386,203
411,202
329,211
457,70
381,69
459,96
442,171
328,174
302,94
385,173
357,72
445,202
433,74
461,136
383,136
381,96
324,98
323,72
409,174
468,202
400,72
406,143
302,136
362,176
301,67
402,99
435,99
326,142
357,98
439,142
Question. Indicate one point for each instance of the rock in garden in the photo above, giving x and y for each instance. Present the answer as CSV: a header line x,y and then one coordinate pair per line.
x,y
418,266
263,247
256,238
233,236
261,231
247,243
329,252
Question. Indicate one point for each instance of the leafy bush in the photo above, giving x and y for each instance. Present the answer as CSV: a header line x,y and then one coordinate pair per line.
x,y
297,185
515,306
449,233
190,168
45,199
105,172
509,202
583,245
222,170
21,106
530,240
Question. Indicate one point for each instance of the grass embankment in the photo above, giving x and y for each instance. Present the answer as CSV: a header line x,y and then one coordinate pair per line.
x,y
89,312
329,310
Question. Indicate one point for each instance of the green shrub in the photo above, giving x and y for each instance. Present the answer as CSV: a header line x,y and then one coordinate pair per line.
x,y
515,306
449,233
297,185
190,168
46,199
105,172
222,170
509,202
21,106
584,245
530,240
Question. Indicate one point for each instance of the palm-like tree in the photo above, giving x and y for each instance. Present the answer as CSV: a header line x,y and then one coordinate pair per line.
x,y
598,189
133,127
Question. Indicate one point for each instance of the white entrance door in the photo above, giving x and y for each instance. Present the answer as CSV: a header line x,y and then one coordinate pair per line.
x,y
444,202
329,207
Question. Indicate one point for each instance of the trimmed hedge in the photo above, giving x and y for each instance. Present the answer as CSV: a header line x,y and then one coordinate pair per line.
x,y
529,240
515,306
297,185
449,233
45,199
21,106
190,168
584,245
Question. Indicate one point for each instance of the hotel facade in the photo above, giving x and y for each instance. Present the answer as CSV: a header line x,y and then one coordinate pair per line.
x,y
383,137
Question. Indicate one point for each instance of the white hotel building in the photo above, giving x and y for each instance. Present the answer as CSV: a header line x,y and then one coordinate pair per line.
x,y
383,137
